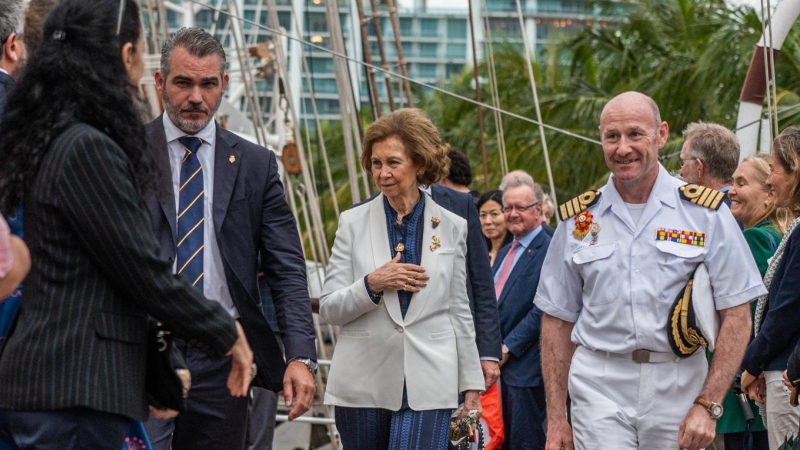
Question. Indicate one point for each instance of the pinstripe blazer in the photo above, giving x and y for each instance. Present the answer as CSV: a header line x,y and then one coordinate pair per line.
x,y
81,334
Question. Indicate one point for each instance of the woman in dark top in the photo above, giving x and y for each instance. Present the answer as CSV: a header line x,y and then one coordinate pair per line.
x,y
73,368
753,205
493,222
777,330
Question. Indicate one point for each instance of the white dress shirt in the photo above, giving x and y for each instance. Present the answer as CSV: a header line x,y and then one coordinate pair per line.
x,y
619,290
215,286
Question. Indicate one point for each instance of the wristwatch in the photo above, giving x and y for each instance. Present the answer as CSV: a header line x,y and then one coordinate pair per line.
x,y
312,366
714,409
505,349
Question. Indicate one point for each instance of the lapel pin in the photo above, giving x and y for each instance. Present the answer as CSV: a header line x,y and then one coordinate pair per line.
x,y
435,244
232,159
435,221
399,247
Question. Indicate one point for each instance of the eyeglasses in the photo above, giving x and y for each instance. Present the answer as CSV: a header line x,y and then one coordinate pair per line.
x,y
520,209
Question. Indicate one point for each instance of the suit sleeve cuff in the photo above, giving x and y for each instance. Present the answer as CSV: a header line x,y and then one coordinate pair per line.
x,y
375,298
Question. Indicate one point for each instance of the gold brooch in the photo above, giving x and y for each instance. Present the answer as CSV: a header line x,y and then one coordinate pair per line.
x,y
399,247
435,244
435,222
232,159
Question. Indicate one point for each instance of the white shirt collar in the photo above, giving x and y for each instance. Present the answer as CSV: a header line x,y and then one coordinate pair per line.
x,y
207,134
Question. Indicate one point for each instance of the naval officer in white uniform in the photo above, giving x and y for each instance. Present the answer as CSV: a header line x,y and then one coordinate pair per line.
x,y
618,260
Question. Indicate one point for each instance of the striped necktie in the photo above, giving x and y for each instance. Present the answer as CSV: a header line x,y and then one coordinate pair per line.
x,y
191,215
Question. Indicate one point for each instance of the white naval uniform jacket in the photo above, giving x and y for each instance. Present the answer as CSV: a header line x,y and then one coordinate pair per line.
x,y
618,291
432,349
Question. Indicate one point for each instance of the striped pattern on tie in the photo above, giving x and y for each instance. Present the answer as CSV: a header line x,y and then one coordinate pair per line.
x,y
191,217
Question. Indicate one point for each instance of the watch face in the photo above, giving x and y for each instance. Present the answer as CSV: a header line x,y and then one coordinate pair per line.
x,y
716,411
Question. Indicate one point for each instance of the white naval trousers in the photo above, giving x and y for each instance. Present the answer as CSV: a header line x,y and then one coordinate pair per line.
x,y
622,404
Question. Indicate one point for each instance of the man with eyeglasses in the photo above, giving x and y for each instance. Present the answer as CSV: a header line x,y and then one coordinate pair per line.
x,y
516,275
620,260
12,55
709,156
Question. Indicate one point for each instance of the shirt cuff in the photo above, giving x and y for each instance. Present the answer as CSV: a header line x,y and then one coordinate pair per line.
x,y
489,358
375,298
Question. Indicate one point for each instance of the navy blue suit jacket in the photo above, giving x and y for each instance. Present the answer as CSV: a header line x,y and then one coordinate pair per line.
x,y
6,85
520,319
251,218
480,286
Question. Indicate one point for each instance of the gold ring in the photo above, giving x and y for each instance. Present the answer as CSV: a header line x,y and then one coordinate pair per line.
x,y
405,287
408,280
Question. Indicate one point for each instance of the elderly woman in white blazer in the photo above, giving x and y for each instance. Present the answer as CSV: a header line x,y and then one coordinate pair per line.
x,y
396,284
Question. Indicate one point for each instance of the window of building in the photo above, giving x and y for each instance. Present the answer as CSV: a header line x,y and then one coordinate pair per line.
x,y
316,22
203,18
456,51
427,70
505,26
406,26
321,65
454,69
429,27
428,50
457,28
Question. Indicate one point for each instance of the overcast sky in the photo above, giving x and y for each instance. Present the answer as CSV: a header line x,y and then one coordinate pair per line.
x,y
462,4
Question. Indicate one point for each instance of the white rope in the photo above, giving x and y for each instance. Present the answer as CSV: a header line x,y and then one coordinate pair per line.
x,y
536,103
498,118
316,217
774,75
767,56
420,83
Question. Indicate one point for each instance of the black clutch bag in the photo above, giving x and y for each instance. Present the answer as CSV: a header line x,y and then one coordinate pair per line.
x,y
168,379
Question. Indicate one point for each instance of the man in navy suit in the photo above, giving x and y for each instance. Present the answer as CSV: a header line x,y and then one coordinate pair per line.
x,y
242,215
516,276
12,50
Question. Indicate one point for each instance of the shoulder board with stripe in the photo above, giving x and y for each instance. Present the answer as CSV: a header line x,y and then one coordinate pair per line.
x,y
578,204
702,196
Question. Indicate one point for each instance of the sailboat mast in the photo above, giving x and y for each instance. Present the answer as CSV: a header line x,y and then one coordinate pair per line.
x,y
400,58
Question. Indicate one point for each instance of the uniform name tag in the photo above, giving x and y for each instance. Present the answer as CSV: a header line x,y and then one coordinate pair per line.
x,y
681,236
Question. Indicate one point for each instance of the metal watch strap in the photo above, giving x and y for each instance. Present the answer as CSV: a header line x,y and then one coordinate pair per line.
x,y
312,366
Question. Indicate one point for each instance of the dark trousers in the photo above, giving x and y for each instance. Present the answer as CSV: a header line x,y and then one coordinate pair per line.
x,y
214,419
73,428
524,412
261,420
381,429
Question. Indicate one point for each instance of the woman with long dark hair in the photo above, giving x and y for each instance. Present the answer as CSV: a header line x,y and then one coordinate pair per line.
x,y
73,151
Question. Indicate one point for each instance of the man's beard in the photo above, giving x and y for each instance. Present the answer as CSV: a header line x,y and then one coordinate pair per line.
x,y
186,125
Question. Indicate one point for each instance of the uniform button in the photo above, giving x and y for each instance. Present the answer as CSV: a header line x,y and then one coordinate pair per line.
x,y
636,270
399,329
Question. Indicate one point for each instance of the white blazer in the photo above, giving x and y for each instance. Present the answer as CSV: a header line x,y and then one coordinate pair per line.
x,y
433,348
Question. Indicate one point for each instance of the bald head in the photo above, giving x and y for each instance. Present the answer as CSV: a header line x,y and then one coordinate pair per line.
x,y
632,132
633,98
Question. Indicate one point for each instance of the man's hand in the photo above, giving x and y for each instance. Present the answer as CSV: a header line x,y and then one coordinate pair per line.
x,y
697,430
747,379
559,435
298,385
504,359
241,365
756,388
162,413
491,372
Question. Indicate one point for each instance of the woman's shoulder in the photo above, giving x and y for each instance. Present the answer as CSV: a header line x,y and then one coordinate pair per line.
x,y
447,215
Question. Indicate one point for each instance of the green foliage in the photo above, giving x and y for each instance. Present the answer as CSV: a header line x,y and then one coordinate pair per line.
x,y
691,56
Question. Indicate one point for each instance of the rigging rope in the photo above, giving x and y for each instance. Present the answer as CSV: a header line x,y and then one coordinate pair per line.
x,y
529,65
394,74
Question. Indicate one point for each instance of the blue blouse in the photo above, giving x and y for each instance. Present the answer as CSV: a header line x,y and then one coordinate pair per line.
x,y
409,233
